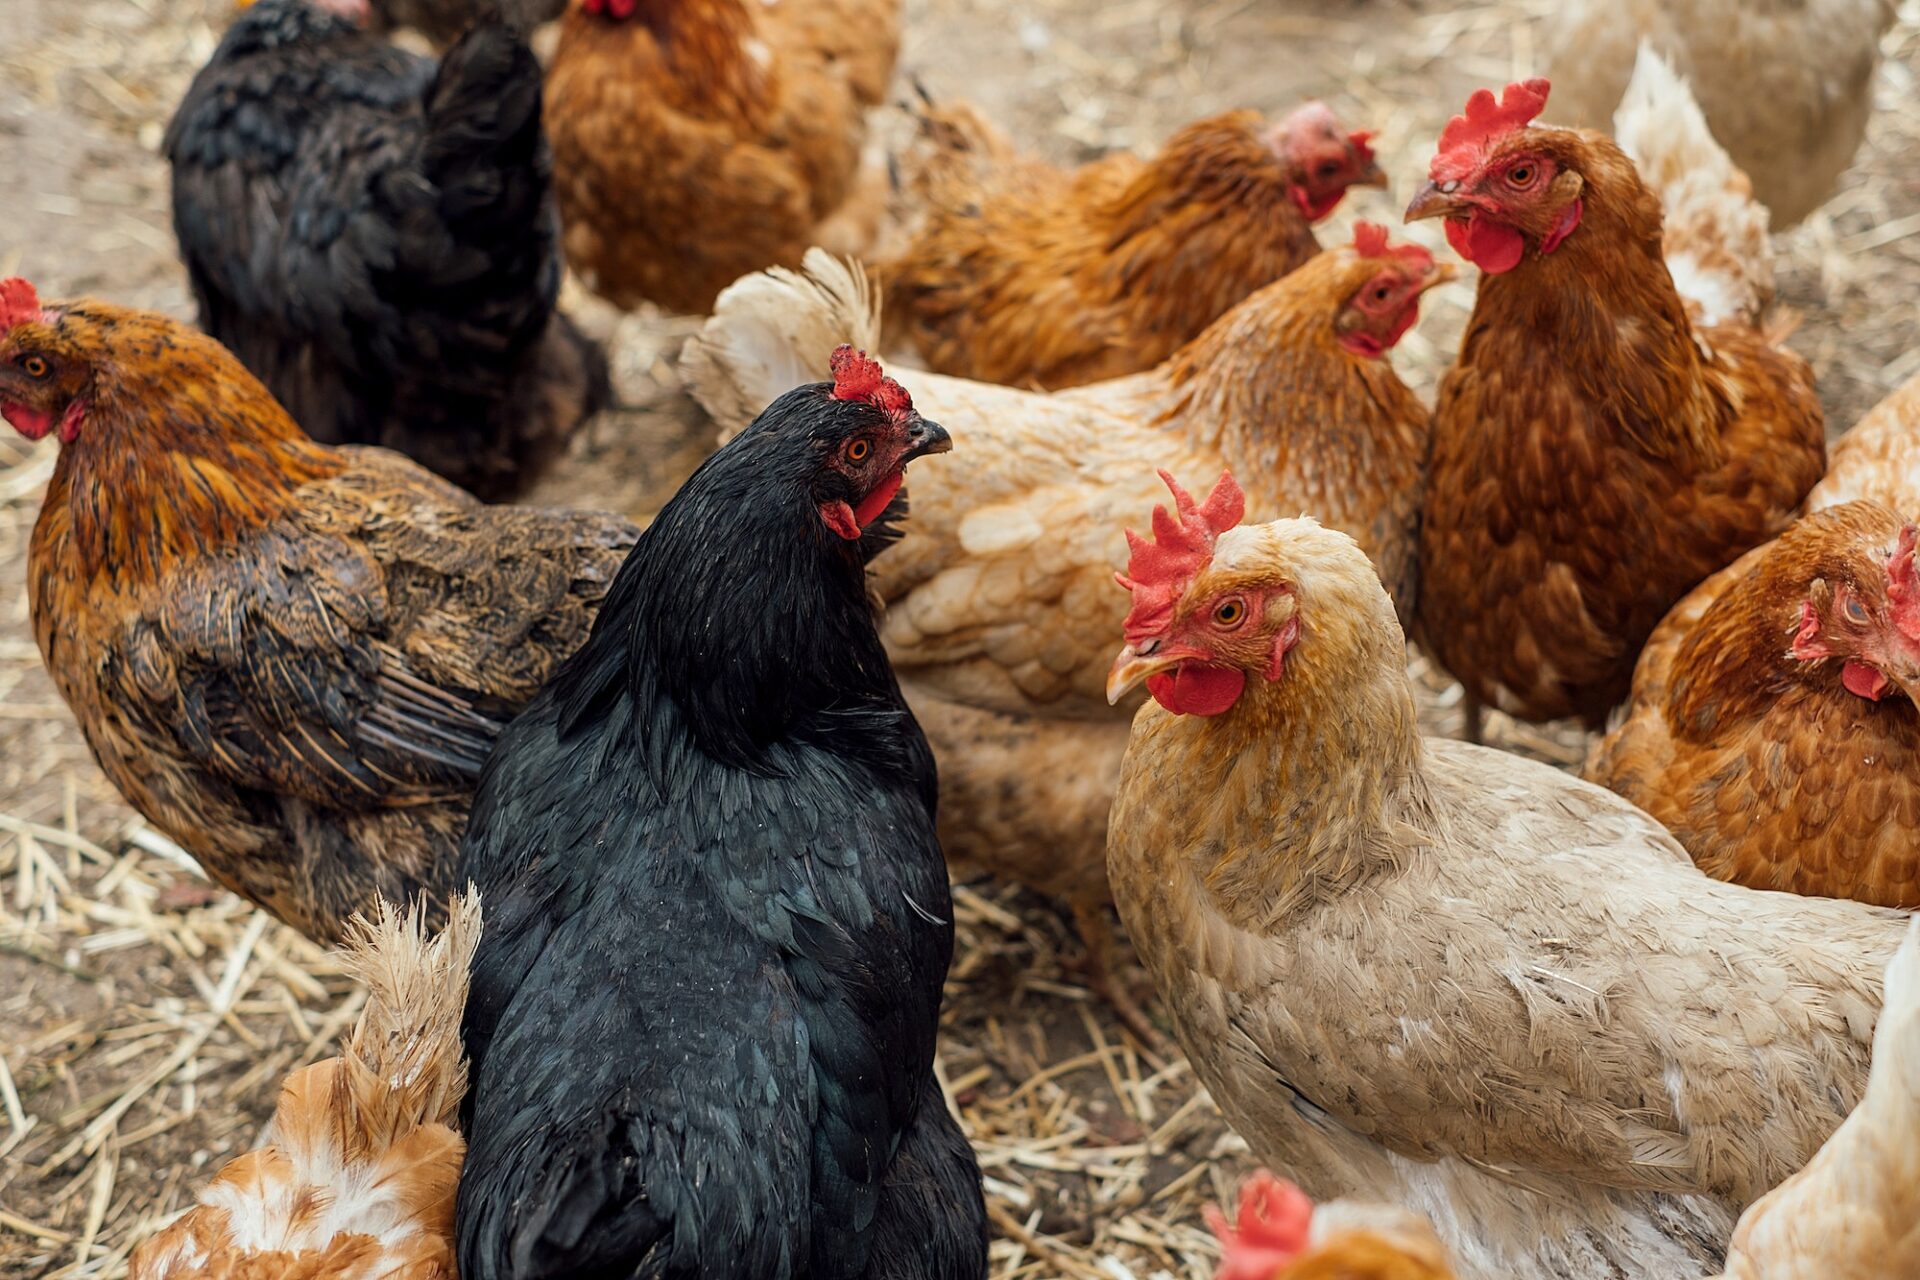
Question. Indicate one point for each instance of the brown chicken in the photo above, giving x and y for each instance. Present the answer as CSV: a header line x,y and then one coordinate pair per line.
x,y
1595,455
1878,458
999,596
1279,1234
355,1178
292,659
695,141
1775,720
1421,972
1024,274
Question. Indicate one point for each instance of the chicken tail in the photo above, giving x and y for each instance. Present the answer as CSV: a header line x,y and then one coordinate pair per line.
x,y
1855,1209
1716,242
773,331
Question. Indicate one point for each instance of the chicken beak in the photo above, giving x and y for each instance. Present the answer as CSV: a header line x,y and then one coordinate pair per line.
x,y
1133,665
1442,272
1431,202
925,437
1371,176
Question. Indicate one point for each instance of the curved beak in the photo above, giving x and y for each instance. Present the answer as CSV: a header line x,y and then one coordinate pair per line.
x,y
1431,202
1132,665
1441,273
1371,176
925,437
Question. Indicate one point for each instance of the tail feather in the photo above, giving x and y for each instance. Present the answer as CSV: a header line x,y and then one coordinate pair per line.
x,y
773,331
1854,1211
1716,241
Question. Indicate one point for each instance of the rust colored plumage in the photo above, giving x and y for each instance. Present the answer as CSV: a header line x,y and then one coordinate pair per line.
x,y
355,1178
695,141
1745,739
1595,455
1020,273
292,659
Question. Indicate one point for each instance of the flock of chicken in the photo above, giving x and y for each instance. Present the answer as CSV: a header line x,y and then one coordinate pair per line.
x,y
1656,1023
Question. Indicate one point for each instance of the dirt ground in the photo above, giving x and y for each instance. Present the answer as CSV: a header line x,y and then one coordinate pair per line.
x,y
146,1017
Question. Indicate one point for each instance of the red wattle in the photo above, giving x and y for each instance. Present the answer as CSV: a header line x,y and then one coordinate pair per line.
x,y
874,503
1314,209
1192,689
1864,681
1487,244
839,518
31,423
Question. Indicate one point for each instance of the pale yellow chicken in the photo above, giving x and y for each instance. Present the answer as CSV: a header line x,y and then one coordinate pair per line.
x,y
1000,596
1787,85
1439,976
354,1179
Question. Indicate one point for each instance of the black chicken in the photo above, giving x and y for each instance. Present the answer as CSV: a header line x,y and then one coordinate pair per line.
x,y
703,1014
374,236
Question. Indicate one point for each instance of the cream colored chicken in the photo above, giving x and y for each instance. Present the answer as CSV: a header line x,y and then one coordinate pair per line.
x,y
1854,1212
1000,596
1786,84
355,1177
1440,976
1878,459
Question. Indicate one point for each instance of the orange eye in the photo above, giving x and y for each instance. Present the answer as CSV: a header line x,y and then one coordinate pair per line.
x,y
36,366
858,450
1521,175
1230,613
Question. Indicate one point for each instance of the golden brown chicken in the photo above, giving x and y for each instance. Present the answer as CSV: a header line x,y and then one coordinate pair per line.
x,y
1430,974
1854,1212
1595,454
697,140
1786,84
1878,459
1024,274
999,596
292,659
1279,1234
1775,719
355,1177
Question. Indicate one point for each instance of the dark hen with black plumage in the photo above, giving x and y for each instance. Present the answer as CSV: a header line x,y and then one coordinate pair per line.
x,y
374,236
702,1019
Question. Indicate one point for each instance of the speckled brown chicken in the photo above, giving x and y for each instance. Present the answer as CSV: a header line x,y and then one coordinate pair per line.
x,y
1018,272
292,659
1775,720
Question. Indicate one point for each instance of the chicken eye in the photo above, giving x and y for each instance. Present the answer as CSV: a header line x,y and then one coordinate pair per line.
x,y
35,366
1856,613
1521,175
1230,613
1380,293
858,450
1328,168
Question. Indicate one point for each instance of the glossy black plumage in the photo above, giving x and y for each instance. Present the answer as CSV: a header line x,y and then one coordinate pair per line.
x,y
703,1013
374,236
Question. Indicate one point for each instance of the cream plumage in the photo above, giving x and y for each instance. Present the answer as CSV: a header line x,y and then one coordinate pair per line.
x,y
1443,977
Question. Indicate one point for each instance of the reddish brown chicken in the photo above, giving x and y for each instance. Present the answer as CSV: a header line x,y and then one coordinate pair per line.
x,y
1020,273
1775,721
292,659
1279,1234
1595,454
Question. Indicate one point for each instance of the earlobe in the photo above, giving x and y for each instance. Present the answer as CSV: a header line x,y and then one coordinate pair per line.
x,y
1283,640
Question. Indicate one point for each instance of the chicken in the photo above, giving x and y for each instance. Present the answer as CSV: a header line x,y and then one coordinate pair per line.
x,y
703,1016
1852,1213
355,1177
1000,600
698,140
1787,85
1024,274
292,659
1434,975
1878,459
374,237
1775,719
1280,1235
1595,454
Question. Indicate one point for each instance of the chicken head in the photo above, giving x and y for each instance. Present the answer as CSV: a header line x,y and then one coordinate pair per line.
x,y
867,454
1872,626
1386,303
1323,160
43,376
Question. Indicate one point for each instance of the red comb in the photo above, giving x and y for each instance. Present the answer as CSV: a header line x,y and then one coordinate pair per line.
x,y
1463,143
1158,571
1370,241
1358,140
19,302
1903,584
858,376
1270,1233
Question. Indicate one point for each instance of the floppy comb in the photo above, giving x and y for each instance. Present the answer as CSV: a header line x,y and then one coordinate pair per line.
x,y
1903,584
858,376
1270,1231
1370,241
1464,142
1159,570
19,302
